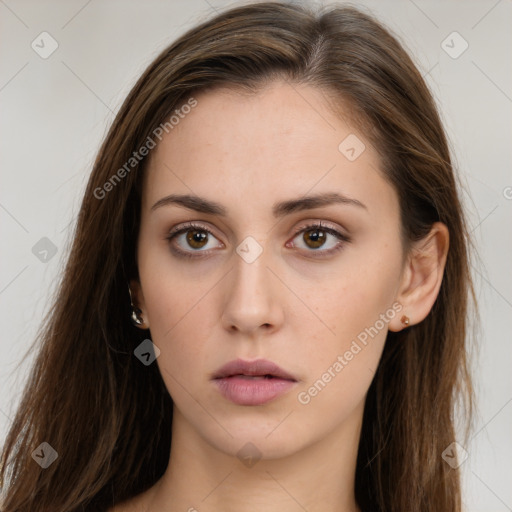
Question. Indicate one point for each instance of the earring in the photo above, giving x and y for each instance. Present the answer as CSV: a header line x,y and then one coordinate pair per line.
x,y
136,318
136,313
405,320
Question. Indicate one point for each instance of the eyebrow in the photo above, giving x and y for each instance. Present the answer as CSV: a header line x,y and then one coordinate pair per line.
x,y
202,205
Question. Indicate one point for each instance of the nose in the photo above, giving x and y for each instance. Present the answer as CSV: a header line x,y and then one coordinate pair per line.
x,y
254,303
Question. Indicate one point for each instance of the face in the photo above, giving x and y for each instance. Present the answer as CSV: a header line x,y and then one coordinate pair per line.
x,y
263,273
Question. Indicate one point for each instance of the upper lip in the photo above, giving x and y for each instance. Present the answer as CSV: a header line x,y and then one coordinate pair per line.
x,y
258,367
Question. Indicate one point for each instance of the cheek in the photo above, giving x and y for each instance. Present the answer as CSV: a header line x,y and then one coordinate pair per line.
x,y
355,296
344,343
181,322
341,366
172,292
183,333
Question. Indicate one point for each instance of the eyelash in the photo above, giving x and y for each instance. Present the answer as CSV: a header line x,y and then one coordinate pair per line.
x,y
309,227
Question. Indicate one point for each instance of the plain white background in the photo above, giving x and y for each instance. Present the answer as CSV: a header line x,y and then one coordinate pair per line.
x,y
56,110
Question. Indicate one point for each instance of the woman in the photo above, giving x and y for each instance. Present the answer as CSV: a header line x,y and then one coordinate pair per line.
x,y
265,302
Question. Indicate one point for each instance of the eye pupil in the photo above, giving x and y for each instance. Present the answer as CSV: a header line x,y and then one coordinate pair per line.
x,y
315,236
196,238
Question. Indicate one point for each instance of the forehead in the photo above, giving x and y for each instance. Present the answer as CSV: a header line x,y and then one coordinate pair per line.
x,y
282,141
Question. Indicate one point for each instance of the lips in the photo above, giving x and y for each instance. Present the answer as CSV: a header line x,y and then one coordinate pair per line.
x,y
261,368
252,383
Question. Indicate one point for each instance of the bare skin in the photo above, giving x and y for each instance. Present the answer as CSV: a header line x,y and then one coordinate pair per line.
x,y
298,304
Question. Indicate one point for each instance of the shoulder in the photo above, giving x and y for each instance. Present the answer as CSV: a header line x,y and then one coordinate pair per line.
x,y
138,503
135,504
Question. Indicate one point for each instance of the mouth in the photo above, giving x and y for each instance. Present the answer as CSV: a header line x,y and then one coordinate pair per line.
x,y
252,377
252,382
251,370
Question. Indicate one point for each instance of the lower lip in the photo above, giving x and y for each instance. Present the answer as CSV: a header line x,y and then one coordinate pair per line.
x,y
244,391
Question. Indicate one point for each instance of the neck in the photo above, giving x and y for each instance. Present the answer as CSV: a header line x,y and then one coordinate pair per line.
x,y
202,478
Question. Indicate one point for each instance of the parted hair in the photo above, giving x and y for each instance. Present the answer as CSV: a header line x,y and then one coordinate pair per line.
x,y
92,400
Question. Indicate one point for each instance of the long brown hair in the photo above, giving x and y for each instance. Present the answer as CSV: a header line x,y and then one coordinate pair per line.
x,y
96,404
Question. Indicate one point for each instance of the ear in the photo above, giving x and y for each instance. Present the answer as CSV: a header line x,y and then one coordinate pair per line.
x,y
422,276
137,299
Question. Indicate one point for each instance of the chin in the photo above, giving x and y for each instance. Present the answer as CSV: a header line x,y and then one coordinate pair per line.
x,y
265,439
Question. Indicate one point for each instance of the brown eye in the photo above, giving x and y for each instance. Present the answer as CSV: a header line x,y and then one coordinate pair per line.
x,y
319,240
197,239
193,240
314,238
